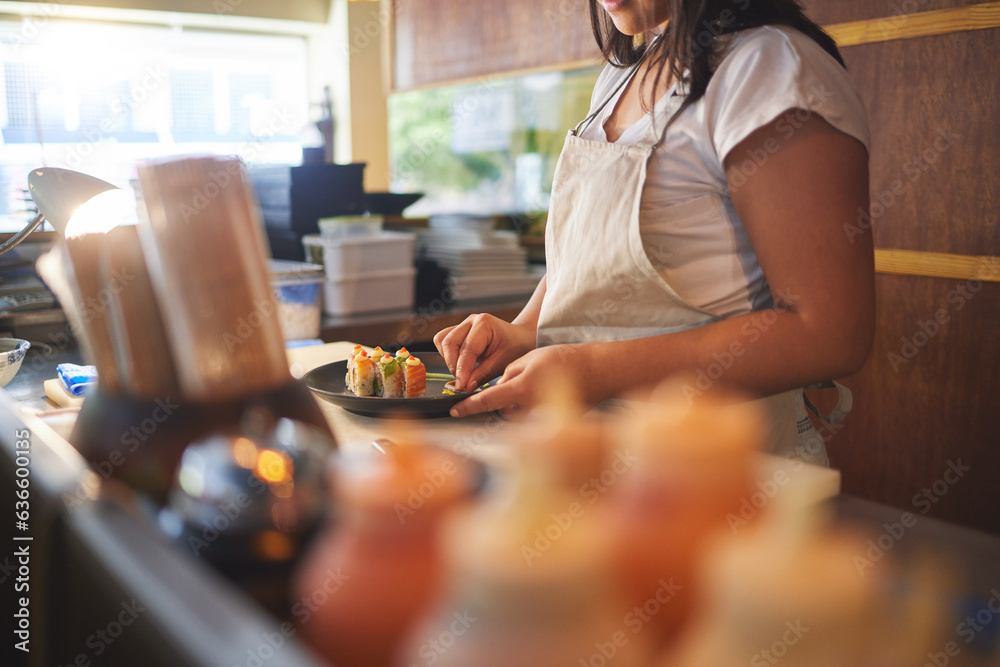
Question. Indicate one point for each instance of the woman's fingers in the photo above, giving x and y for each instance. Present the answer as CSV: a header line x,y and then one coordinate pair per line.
x,y
439,339
507,393
488,369
476,343
452,342
494,398
484,340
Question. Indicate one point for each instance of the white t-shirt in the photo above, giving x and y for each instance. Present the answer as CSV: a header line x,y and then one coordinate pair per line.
x,y
689,227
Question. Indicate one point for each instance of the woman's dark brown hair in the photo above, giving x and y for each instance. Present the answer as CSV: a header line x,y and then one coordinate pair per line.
x,y
694,24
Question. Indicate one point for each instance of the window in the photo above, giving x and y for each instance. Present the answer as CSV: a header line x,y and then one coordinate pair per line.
x,y
99,97
489,147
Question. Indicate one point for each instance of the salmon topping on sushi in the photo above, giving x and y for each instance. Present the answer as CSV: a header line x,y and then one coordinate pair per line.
x,y
416,378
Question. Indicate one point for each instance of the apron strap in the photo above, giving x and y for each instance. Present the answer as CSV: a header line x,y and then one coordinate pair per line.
x,y
845,402
583,124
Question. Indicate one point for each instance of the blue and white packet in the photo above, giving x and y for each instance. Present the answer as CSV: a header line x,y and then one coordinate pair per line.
x,y
302,342
77,379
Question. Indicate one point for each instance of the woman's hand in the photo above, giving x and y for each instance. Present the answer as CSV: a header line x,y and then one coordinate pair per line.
x,y
526,378
486,340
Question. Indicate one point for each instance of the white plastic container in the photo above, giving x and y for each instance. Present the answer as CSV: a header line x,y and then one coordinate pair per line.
x,y
350,226
388,290
349,257
298,294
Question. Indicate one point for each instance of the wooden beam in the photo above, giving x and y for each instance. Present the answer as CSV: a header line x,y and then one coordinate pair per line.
x,y
919,24
937,265
508,74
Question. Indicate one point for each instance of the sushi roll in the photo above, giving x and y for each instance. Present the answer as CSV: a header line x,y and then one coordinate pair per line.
x,y
365,374
351,378
392,376
416,378
402,354
352,369
376,357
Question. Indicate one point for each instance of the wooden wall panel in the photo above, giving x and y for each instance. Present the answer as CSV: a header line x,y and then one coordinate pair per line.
x,y
919,407
443,40
437,41
926,400
826,12
925,95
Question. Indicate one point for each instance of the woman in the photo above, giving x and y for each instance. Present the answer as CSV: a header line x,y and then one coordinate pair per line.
x,y
698,221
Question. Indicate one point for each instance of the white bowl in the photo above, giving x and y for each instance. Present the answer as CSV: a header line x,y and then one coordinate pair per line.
x,y
12,351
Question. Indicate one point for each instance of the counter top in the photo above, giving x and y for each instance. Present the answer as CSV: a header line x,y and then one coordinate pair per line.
x,y
205,620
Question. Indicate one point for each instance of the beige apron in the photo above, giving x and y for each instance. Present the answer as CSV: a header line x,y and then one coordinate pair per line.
x,y
601,285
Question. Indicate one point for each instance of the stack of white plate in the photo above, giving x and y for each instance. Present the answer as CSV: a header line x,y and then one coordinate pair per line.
x,y
483,264
476,288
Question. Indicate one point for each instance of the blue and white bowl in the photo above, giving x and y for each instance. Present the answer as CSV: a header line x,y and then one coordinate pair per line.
x,y
12,351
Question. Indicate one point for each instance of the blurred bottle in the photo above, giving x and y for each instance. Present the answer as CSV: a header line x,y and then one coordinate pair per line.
x,y
381,560
529,173
249,501
311,140
791,589
573,444
316,138
528,585
325,125
682,467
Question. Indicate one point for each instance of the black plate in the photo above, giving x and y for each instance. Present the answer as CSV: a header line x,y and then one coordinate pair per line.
x,y
329,383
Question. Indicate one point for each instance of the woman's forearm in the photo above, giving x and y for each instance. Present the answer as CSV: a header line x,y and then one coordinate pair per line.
x,y
528,317
762,353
